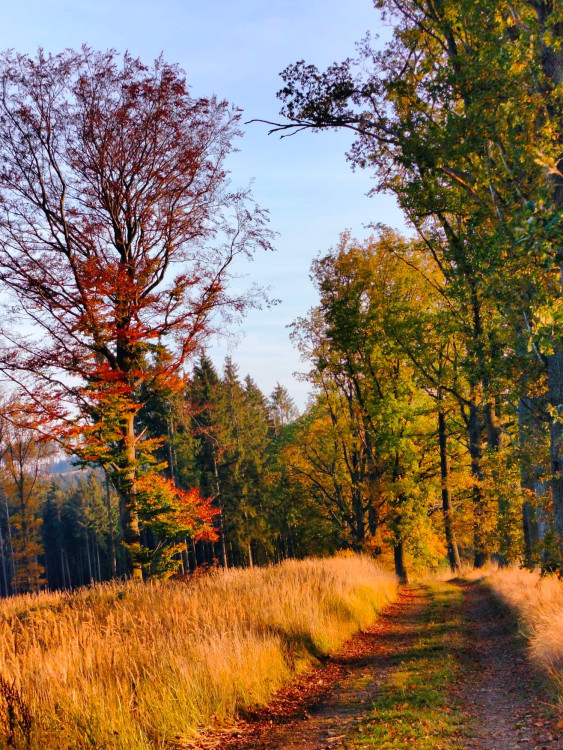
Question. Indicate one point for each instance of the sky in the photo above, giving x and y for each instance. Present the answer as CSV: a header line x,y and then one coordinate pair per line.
x,y
236,50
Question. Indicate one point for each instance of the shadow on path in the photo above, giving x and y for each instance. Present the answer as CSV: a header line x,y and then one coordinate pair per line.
x,y
510,706
500,702
321,707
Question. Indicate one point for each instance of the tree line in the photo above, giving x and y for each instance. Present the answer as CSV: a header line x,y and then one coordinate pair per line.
x,y
60,523
448,343
436,360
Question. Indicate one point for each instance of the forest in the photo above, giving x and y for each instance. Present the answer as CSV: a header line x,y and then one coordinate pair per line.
x,y
434,358
179,547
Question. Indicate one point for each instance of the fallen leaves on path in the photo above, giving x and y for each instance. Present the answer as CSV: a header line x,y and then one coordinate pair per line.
x,y
505,705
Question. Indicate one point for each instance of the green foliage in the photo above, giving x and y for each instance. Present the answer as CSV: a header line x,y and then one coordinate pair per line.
x,y
369,451
435,360
80,530
474,160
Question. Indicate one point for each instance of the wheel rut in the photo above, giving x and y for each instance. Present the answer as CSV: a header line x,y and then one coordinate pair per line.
x,y
507,704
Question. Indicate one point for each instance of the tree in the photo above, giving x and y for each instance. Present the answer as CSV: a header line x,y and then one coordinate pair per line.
x,y
204,407
53,539
92,522
316,459
549,50
281,408
117,231
241,430
474,160
23,457
301,519
377,449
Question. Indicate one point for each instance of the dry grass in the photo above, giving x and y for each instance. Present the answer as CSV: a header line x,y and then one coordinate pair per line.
x,y
147,666
539,604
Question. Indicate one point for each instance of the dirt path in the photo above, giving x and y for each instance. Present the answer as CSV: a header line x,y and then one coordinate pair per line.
x,y
441,669
504,696
321,708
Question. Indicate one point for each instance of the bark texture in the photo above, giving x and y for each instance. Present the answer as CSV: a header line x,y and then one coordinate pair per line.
x,y
453,552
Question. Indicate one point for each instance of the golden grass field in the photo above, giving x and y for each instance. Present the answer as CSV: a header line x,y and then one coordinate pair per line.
x,y
135,666
539,605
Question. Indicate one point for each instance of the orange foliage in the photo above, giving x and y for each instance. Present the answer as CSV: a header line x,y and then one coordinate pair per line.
x,y
186,512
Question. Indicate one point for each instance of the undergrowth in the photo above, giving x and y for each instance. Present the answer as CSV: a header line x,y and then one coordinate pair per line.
x,y
538,603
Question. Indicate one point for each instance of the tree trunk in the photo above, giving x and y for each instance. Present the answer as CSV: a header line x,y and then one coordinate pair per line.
x,y
131,532
111,534
400,566
359,520
4,571
88,558
530,529
555,384
491,419
373,520
13,587
222,534
552,63
171,455
447,508
81,580
223,540
185,557
98,566
23,572
481,551
68,573
294,544
210,553
528,424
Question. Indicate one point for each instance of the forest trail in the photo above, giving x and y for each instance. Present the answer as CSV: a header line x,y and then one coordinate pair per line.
x,y
441,669
505,696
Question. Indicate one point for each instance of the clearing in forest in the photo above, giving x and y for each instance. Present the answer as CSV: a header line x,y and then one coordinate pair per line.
x,y
443,668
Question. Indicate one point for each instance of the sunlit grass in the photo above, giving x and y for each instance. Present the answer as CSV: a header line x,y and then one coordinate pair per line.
x,y
126,666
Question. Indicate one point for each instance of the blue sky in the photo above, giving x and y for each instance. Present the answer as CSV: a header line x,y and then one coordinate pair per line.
x,y
236,49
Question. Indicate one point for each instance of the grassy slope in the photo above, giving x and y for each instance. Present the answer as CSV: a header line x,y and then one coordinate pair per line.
x,y
136,667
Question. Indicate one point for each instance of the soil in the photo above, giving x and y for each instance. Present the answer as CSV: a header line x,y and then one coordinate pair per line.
x,y
506,705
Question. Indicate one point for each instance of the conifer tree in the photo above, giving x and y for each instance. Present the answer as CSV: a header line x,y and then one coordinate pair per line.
x,y
281,409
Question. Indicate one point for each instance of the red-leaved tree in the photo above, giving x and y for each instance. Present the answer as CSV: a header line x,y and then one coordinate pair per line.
x,y
118,228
